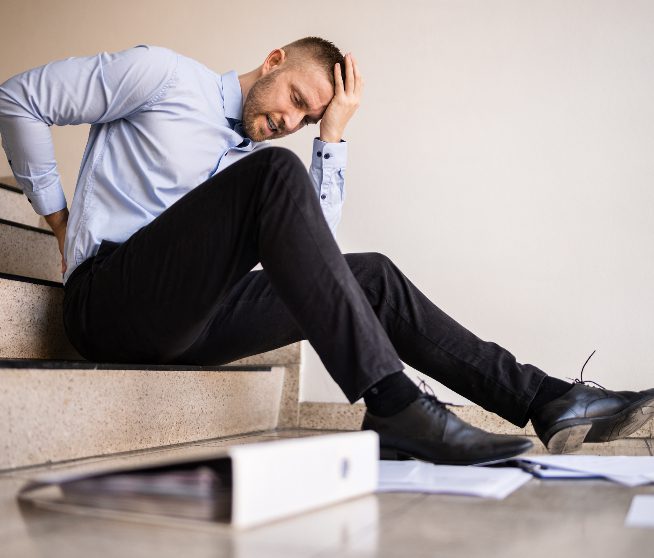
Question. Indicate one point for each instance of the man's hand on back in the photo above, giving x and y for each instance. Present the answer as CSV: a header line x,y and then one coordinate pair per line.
x,y
58,222
344,103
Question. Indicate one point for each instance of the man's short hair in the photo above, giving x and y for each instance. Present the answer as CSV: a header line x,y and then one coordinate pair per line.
x,y
321,52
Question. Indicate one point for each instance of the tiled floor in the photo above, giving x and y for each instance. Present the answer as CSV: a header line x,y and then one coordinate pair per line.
x,y
543,518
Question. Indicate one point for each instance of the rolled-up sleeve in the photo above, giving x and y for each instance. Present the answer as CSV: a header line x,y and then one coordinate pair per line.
x,y
327,170
83,90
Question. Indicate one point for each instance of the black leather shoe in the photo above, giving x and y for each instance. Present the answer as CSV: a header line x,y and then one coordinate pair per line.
x,y
591,414
428,430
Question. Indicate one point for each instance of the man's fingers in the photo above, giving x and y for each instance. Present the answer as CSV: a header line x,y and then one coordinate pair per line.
x,y
349,74
338,79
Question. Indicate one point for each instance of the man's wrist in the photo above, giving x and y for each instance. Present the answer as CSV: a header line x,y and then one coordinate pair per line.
x,y
57,220
328,138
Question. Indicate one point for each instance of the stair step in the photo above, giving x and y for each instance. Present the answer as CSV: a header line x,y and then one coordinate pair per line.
x,y
29,251
54,411
14,206
31,322
31,325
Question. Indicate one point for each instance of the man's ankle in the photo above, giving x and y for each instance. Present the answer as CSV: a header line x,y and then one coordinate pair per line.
x,y
391,394
549,390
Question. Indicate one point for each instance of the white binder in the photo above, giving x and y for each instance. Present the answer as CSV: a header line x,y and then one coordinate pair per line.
x,y
269,480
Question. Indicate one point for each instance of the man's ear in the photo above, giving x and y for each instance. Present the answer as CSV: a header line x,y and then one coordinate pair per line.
x,y
275,59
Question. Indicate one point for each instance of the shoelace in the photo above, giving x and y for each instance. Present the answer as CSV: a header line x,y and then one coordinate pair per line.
x,y
431,396
581,380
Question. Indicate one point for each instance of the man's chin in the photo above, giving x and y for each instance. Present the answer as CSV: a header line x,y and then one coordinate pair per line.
x,y
256,136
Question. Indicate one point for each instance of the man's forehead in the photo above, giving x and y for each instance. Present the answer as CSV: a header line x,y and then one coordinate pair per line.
x,y
314,87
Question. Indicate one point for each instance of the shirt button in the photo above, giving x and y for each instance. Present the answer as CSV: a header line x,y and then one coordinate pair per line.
x,y
319,153
323,196
327,155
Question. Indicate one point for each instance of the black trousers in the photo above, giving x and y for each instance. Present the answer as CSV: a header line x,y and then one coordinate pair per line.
x,y
180,290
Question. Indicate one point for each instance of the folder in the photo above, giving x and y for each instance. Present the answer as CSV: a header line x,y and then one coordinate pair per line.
x,y
242,486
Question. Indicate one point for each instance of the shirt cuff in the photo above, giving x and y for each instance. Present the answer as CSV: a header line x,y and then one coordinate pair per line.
x,y
329,155
47,200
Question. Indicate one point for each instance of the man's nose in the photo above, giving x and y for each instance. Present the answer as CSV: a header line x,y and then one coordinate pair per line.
x,y
293,120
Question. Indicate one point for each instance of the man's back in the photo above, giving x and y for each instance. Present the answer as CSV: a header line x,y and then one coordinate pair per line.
x,y
159,128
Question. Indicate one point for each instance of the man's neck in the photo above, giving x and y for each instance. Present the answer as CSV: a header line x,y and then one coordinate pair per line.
x,y
247,81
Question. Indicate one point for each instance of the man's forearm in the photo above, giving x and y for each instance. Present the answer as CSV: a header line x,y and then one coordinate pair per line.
x,y
57,220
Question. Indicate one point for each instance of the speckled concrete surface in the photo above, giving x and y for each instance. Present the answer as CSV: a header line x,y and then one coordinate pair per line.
x,y
542,519
290,357
289,412
31,324
15,207
331,416
343,416
289,354
29,253
64,414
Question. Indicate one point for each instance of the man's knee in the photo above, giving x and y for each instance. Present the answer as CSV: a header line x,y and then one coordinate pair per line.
x,y
281,165
281,157
369,263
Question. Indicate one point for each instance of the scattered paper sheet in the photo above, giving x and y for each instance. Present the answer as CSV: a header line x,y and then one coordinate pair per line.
x,y
547,472
626,470
641,512
420,476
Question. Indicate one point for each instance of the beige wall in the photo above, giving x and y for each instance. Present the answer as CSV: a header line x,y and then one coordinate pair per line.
x,y
502,156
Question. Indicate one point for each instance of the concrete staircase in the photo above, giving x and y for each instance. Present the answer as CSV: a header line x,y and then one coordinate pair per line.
x,y
56,406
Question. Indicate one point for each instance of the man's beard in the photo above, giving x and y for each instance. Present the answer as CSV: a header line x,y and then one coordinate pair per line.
x,y
252,107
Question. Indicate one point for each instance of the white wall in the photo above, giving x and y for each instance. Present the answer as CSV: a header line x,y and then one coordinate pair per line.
x,y
502,156
504,160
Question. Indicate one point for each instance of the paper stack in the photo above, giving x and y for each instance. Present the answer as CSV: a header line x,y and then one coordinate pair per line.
x,y
420,476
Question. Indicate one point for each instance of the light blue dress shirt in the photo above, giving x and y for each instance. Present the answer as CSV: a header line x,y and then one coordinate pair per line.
x,y
161,124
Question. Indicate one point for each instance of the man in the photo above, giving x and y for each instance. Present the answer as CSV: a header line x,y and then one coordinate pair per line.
x,y
177,200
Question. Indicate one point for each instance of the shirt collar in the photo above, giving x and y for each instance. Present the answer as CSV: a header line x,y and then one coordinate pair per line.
x,y
232,95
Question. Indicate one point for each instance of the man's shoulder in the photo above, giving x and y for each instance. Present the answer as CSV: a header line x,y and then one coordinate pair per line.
x,y
153,53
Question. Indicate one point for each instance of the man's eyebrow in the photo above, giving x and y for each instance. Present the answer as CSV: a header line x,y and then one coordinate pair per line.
x,y
303,102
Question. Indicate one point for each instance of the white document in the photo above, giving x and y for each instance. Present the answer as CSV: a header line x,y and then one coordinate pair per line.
x,y
420,476
641,512
626,470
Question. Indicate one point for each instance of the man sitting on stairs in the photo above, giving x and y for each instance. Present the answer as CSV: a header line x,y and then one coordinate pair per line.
x,y
179,197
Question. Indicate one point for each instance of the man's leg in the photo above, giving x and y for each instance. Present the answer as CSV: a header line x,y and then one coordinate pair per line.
x,y
158,293
253,319
152,298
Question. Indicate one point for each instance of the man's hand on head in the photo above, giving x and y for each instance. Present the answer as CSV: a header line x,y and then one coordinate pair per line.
x,y
345,102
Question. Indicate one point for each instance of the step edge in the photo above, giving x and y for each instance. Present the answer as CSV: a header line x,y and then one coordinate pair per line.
x,y
56,364
33,280
9,187
26,227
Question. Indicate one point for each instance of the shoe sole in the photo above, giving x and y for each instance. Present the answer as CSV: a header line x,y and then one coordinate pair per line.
x,y
394,454
571,434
